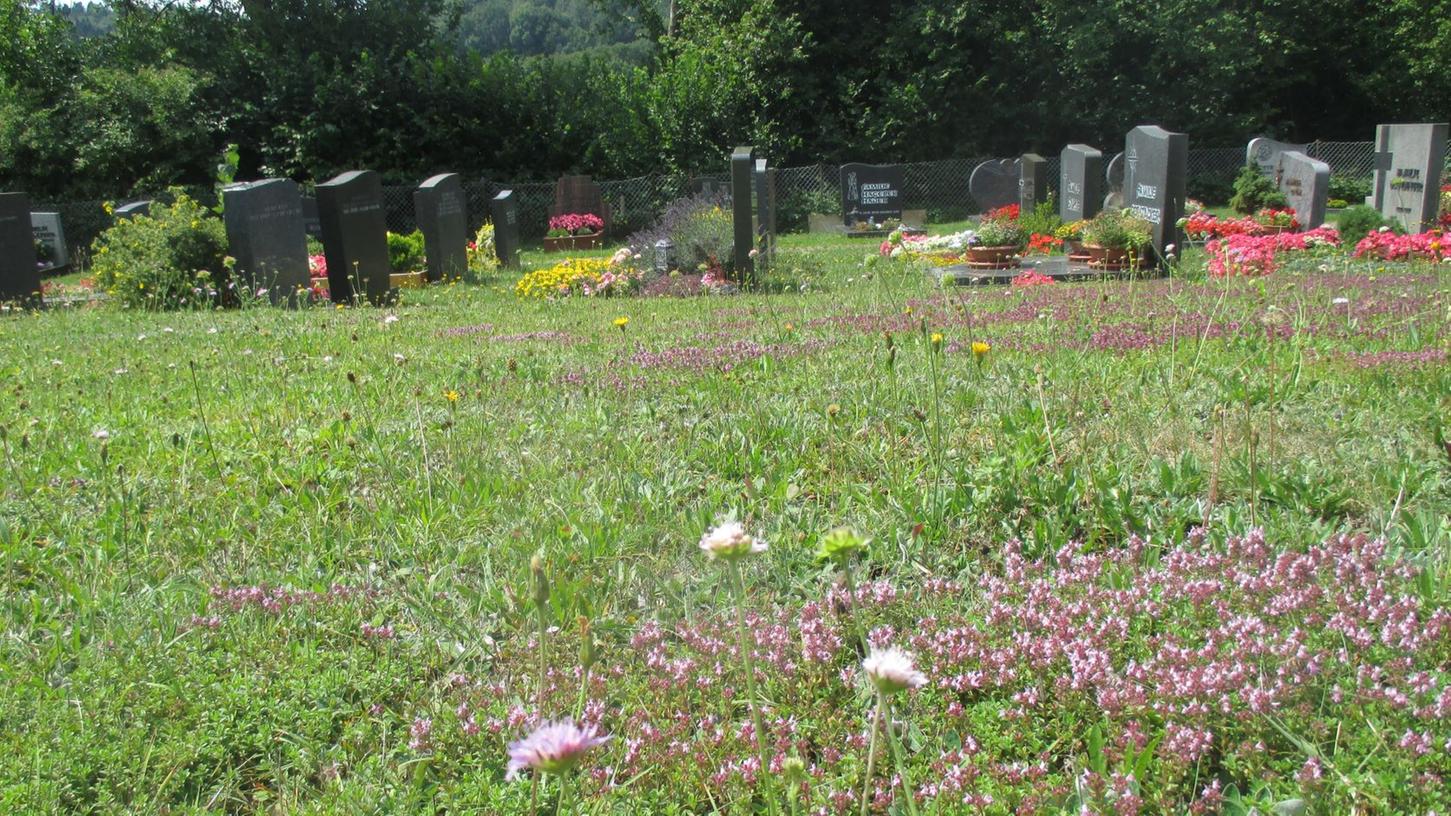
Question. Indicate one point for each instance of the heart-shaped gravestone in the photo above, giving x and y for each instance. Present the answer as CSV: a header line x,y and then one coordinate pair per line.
x,y
994,183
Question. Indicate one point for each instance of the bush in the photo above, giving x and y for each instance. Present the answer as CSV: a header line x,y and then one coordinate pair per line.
x,y
1358,221
405,252
1214,189
1254,191
1117,229
791,215
1349,189
172,259
700,228
1043,220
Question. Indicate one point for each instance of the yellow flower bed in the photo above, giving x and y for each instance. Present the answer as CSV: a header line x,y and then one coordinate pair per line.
x,y
562,279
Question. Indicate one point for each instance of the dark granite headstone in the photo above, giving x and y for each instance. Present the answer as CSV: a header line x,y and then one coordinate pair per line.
x,y
52,253
1408,186
1264,153
1032,181
19,276
311,222
133,209
579,194
871,192
743,169
994,183
765,184
441,211
504,208
1113,175
1080,182
1156,172
355,236
265,235
1306,183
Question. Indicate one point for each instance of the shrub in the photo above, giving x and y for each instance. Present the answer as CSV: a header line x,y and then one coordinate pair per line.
x,y
1254,191
176,257
1349,189
483,252
1043,220
999,232
405,252
700,228
1356,222
1117,229
791,214
1212,188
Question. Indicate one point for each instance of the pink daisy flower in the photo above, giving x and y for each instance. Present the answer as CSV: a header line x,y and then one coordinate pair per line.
x,y
553,747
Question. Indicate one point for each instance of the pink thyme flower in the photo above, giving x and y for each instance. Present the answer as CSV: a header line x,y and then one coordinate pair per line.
x,y
892,670
554,747
730,542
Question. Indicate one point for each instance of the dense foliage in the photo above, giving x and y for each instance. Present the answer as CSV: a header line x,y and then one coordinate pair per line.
x,y
307,88
172,259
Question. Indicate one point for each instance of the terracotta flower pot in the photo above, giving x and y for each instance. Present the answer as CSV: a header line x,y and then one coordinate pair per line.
x,y
1112,258
570,243
994,257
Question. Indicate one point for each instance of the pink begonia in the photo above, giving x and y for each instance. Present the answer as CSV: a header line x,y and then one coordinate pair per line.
x,y
1388,246
1254,255
577,223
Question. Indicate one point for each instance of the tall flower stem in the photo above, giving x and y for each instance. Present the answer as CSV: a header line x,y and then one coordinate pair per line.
x,y
932,351
907,792
872,753
750,665
563,794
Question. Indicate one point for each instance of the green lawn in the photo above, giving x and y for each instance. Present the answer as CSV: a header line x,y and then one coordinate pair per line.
x,y
156,461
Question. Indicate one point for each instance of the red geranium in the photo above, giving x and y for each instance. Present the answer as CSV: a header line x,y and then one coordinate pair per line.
x,y
1007,213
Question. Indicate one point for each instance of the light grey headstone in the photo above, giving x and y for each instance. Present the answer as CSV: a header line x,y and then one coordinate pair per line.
x,y
1113,175
765,184
1156,173
994,183
743,168
441,210
1080,182
1306,183
50,236
19,275
871,192
504,208
1408,190
1264,153
355,236
133,209
1032,181
265,234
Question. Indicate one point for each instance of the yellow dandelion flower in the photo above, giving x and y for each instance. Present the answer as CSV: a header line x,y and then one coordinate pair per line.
x,y
980,349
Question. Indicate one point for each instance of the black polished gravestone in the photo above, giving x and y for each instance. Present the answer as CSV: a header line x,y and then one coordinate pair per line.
x,y
871,192
1113,176
311,221
765,184
994,183
1032,182
1409,160
441,211
19,275
133,209
355,236
1080,182
743,232
505,211
265,235
1306,183
1156,172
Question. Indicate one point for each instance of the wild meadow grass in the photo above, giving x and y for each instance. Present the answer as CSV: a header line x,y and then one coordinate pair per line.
x,y
1156,546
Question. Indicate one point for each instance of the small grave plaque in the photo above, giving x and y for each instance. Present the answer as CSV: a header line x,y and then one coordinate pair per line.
x,y
1080,182
265,234
442,214
311,222
355,236
871,192
505,210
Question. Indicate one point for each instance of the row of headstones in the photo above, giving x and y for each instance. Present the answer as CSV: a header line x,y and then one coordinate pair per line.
x,y
753,211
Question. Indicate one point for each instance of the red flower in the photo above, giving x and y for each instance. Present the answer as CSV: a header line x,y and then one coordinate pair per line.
x,y
1007,213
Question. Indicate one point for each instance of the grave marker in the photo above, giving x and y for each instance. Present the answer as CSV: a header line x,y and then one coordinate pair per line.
x,y
1306,183
1265,154
1080,182
311,222
441,211
871,192
265,234
51,251
505,211
1113,174
355,236
1156,172
994,183
1407,184
133,209
765,184
579,194
19,276
1032,182
743,167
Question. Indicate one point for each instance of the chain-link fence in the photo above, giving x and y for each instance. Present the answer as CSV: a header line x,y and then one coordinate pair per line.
x,y
938,187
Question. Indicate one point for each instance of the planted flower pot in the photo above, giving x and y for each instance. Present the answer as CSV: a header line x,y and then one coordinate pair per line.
x,y
570,243
408,280
992,257
1112,258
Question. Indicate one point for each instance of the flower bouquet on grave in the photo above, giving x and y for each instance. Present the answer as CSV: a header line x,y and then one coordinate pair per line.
x,y
998,241
1116,240
1272,221
573,231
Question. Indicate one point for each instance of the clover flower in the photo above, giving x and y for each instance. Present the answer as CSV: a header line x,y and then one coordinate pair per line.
x,y
730,542
892,670
554,747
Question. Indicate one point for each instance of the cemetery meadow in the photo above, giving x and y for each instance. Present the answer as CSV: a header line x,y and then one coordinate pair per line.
x,y
1061,491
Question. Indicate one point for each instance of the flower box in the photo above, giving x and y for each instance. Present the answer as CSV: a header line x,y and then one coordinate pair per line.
x,y
992,257
571,243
